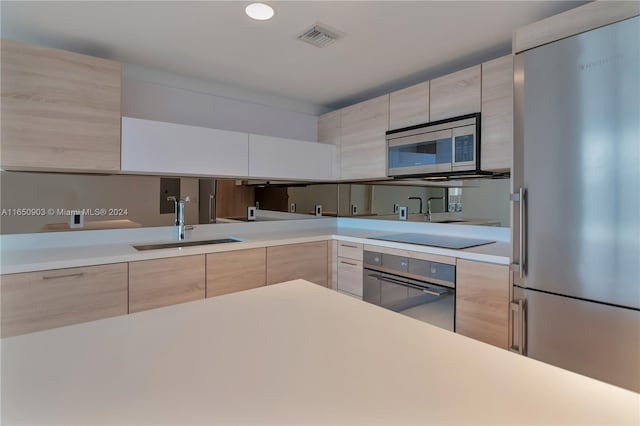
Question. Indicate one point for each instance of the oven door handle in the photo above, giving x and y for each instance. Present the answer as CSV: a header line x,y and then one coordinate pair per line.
x,y
406,284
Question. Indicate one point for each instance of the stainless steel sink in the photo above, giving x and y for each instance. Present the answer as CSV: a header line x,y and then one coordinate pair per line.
x,y
185,244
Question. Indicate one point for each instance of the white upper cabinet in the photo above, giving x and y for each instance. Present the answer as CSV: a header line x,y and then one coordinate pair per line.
x,y
455,94
279,158
176,149
363,141
409,106
497,114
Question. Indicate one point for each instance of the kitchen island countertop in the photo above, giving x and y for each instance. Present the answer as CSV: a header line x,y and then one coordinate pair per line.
x,y
292,353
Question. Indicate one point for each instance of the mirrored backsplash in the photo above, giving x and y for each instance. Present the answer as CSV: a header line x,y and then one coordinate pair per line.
x,y
47,202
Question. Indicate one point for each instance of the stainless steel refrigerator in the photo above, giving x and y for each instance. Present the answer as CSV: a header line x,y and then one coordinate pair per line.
x,y
576,204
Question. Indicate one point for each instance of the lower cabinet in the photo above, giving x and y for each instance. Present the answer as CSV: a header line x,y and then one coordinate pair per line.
x,y
231,271
42,300
162,282
307,261
349,268
482,302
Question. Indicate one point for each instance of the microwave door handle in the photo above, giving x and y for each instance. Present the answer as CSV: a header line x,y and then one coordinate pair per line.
x,y
406,284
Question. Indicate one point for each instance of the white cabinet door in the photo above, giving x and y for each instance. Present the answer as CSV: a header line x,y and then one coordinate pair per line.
x,y
168,148
279,158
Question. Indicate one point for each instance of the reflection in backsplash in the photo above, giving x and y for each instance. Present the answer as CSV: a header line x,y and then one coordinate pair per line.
x,y
42,202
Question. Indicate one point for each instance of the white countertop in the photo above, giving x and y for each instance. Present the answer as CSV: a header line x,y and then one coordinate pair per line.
x,y
37,257
293,353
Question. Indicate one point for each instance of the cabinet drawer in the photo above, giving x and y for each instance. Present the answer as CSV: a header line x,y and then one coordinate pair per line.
x,y
350,276
42,300
162,282
307,261
350,250
238,270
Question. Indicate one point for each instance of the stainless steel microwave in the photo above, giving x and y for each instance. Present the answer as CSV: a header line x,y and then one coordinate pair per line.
x,y
441,148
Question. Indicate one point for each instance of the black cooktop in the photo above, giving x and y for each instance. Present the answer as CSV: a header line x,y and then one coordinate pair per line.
x,y
442,241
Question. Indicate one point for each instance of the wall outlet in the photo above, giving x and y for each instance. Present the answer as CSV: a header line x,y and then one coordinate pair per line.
x,y
76,220
354,209
402,213
251,213
395,208
318,210
292,208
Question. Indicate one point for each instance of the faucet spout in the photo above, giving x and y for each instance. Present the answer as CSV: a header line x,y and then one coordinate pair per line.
x,y
429,206
179,215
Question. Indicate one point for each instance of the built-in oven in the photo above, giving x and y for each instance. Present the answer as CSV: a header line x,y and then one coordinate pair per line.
x,y
421,289
440,148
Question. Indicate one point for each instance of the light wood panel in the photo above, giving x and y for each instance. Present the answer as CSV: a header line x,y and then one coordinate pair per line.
x,y
350,250
573,21
308,261
332,267
455,94
363,143
42,300
329,127
350,276
482,302
163,282
231,271
233,200
497,114
409,106
60,110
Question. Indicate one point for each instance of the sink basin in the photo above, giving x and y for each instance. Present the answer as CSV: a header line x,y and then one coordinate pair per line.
x,y
185,244
448,221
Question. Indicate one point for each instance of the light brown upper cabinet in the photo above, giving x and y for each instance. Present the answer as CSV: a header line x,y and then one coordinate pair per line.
x,y
409,106
329,127
455,94
482,302
35,301
163,282
497,114
231,271
307,261
60,110
363,145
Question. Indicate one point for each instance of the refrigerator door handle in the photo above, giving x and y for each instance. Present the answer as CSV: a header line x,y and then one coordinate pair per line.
x,y
518,327
521,198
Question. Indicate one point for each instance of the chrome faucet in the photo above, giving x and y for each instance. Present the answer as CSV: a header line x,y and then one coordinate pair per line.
x,y
428,214
178,205
419,199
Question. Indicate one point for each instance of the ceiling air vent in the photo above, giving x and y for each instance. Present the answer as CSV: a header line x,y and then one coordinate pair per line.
x,y
319,35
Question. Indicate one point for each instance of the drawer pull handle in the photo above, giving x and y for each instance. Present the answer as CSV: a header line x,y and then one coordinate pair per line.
x,y
55,277
349,245
349,263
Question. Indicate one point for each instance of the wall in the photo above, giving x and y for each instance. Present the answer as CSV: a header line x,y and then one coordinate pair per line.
x,y
161,96
307,197
487,198
385,196
140,195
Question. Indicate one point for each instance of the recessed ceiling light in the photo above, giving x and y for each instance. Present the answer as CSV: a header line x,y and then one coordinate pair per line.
x,y
259,11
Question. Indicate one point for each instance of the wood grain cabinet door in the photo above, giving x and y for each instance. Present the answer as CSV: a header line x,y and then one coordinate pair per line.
x,y
482,302
163,282
35,301
497,114
455,94
307,261
363,152
60,110
231,271
409,106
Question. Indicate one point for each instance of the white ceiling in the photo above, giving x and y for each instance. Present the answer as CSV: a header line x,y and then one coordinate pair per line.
x,y
387,44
